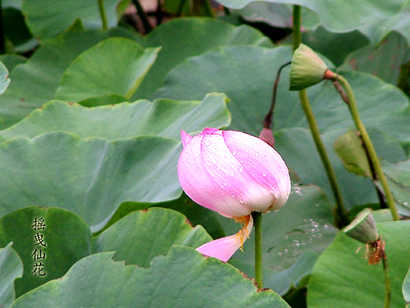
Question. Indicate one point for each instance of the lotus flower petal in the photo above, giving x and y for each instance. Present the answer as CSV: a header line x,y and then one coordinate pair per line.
x,y
265,166
225,247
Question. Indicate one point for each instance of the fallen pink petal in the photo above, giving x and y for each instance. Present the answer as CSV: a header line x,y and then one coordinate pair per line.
x,y
224,248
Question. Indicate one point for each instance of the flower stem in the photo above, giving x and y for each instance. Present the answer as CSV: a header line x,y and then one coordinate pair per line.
x,y
297,34
341,218
2,38
387,296
257,220
103,14
267,122
142,16
369,145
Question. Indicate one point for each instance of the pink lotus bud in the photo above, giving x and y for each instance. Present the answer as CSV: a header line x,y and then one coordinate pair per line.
x,y
267,136
232,173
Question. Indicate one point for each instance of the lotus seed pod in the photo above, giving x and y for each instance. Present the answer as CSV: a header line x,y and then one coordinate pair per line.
x,y
307,68
363,227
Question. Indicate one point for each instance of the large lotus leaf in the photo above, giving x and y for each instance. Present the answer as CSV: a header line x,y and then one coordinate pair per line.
x,y
18,4
140,236
4,78
234,71
35,82
276,14
116,65
248,84
103,100
181,279
305,223
11,60
11,268
67,238
90,177
376,28
162,117
340,15
283,282
47,18
342,276
398,178
187,37
406,288
196,214
64,240
384,62
335,46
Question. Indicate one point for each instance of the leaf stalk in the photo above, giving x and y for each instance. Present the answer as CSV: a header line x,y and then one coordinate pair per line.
x,y
387,297
142,16
103,15
368,144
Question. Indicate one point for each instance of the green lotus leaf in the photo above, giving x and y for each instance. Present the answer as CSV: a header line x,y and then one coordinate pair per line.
x,y
4,78
276,14
196,214
342,276
52,237
140,236
188,274
115,65
162,117
36,81
384,61
406,288
182,38
377,28
47,18
337,16
90,177
11,268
